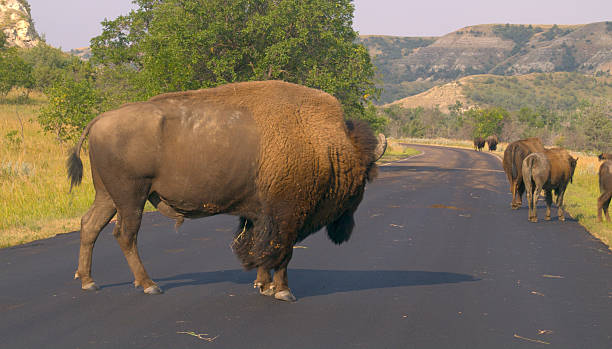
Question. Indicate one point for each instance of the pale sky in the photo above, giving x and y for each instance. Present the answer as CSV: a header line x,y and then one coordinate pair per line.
x,y
72,23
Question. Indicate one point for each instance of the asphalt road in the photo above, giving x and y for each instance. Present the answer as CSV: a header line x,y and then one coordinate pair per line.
x,y
438,260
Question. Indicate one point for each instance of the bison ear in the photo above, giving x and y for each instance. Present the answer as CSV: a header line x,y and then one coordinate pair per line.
x,y
340,230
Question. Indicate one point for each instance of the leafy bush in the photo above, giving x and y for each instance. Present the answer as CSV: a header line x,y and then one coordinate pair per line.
x,y
72,104
48,64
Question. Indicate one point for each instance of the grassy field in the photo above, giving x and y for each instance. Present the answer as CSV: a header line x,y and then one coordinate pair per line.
x,y
580,197
34,199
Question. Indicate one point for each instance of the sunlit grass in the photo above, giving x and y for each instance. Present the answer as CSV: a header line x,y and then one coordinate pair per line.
x,y
397,151
34,199
581,198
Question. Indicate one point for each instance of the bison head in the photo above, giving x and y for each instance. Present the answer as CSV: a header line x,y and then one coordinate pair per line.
x,y
572,163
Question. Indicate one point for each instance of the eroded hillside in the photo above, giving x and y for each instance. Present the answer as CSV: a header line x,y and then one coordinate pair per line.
x,y
408,66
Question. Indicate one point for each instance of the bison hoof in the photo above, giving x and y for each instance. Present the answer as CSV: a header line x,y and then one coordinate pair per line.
x,y
285,295
90,287
533,220
547,218
153,290
270,291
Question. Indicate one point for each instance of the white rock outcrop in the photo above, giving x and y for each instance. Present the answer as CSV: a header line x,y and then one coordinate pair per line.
x,y
16,23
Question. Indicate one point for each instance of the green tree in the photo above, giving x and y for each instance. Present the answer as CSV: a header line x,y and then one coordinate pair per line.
x,y
48,64
188,44
14,71
595,121
73,102
487,121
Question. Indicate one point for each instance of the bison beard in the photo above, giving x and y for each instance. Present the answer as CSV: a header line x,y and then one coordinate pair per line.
x,y
260,243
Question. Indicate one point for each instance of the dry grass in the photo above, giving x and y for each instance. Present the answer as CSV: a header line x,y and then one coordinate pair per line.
x,y
34,199
396,151
581,198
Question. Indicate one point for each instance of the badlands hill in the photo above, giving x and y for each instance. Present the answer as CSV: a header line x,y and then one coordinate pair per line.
x,y
408,66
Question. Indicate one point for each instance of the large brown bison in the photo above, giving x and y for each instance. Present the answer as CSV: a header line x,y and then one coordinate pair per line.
x,y
514,155
492,142
605,188
278,155
550,171
479,143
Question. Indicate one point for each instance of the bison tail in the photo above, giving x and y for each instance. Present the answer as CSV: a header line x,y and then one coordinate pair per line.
x,y
74,163
75,167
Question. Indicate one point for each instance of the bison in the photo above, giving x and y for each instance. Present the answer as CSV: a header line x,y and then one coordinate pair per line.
x,y
604,156
605,188
550,171
514,155
279,156
479,143
492,142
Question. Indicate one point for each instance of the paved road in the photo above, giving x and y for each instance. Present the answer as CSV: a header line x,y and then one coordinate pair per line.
x,y
438,260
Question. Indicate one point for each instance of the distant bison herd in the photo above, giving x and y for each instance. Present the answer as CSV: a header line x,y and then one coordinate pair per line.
x,y
479,143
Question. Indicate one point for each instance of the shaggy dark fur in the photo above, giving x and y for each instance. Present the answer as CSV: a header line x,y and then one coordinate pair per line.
x,y
492,142
479,143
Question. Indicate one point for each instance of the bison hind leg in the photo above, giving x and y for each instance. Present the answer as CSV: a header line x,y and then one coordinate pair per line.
x,y
603,202
340,230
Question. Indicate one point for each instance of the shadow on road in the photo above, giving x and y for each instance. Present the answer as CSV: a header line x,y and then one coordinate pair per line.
x,y
311,282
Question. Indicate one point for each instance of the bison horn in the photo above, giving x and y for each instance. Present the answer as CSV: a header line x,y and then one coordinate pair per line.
x,y
381,147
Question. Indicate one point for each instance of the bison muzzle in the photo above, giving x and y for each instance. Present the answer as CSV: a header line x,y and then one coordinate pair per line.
x,y
280,156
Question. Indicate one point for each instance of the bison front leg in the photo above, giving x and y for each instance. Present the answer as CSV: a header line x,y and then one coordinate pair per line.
x,y
264,282
281,284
